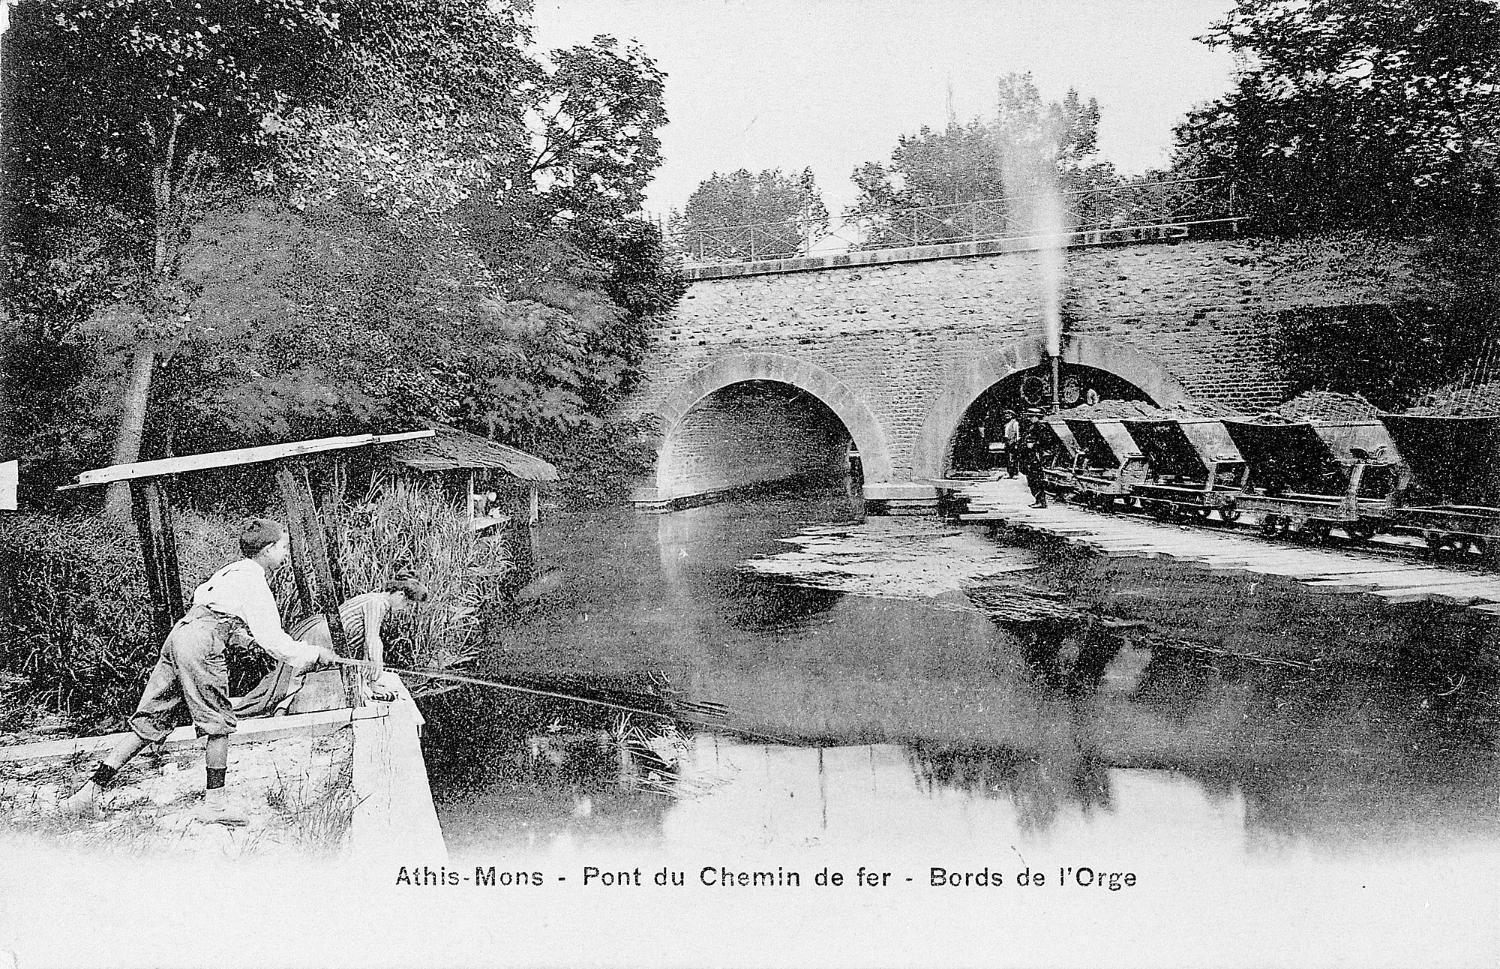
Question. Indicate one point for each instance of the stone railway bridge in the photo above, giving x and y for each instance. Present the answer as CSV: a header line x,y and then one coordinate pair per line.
x,y
771,370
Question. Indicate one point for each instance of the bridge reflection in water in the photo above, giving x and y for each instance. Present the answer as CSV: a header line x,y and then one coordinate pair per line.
x,y
960,703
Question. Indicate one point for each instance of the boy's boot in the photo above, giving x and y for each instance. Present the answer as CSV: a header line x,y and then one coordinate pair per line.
x,y
219,807
82,803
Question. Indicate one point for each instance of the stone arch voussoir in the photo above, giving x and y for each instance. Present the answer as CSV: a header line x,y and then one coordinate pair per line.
x,y
965,385
856,415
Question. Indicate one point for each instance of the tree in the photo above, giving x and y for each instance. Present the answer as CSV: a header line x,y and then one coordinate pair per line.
x,y
782,211
1350,113
436,230
138,114
430,106
1028,146
595,116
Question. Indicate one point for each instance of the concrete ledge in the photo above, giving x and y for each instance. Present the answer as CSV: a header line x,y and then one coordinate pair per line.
x,y
901,491
901,498
393,812
250,731
649,500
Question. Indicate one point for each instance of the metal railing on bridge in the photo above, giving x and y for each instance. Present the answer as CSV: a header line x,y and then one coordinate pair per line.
x,y
1115,209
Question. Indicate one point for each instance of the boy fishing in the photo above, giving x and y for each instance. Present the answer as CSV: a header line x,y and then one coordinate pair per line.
x,y
234,605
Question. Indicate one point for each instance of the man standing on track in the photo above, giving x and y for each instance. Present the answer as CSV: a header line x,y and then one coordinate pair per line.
x,y
1011,433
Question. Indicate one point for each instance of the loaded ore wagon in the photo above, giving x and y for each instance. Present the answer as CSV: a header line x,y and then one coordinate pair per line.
x,y
1194,468
1110,466
1453,497
1064,455
1314,477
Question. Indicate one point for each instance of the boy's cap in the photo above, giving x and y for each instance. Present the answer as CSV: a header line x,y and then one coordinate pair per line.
x,y
257,533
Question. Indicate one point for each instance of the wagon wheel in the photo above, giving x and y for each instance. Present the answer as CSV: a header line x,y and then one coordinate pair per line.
x,y
1200,513
1229,514
1479,547
1275,526
1452,545
1318,531
1359,531
1434,540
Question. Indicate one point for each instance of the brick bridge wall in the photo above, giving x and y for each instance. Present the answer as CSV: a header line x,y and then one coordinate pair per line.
x,y
899,349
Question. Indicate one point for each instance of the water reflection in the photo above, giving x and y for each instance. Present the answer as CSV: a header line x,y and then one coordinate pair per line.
x,y
1227,714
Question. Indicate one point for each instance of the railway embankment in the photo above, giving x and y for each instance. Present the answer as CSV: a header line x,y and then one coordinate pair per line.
x,y
1392,573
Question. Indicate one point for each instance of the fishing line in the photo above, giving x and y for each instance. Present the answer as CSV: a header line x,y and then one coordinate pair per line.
x,y
496,684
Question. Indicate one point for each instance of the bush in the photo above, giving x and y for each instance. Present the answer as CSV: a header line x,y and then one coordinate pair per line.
x,y
75,617
599,464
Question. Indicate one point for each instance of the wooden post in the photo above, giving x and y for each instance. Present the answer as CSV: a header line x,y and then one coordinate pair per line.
x,y
320,513
166,541
298,539
309,534
161,612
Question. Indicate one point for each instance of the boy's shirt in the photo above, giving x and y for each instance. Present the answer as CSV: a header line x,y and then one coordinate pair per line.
x,y
239,589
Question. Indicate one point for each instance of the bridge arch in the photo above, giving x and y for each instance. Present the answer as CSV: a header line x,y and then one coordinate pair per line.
x,y
857,417
984,371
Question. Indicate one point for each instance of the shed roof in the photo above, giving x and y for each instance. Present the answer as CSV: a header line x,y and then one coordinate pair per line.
x,y
451,449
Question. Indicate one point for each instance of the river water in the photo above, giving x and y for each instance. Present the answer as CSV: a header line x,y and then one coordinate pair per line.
x,y
1201,766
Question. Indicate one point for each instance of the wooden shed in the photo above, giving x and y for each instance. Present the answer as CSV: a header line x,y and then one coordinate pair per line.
x,y
476,463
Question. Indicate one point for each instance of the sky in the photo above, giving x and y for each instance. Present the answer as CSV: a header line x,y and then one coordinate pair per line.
x,y
830,84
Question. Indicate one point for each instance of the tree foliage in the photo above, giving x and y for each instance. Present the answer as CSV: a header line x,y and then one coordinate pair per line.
x,y
595,113
784,210
1028,146
1391,355
1347,112
138,116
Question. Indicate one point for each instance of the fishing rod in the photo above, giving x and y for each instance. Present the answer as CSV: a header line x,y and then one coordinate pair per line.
x,y
498,685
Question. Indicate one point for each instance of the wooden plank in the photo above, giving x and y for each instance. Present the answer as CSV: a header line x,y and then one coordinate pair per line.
x,y
254,730
1411,579
1461,593
141,470
298,537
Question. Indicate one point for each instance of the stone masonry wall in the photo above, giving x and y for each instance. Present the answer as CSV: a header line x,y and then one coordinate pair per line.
x,y
899,334
747,434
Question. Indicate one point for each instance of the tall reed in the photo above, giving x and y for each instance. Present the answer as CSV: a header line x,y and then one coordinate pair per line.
x,y
409,526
